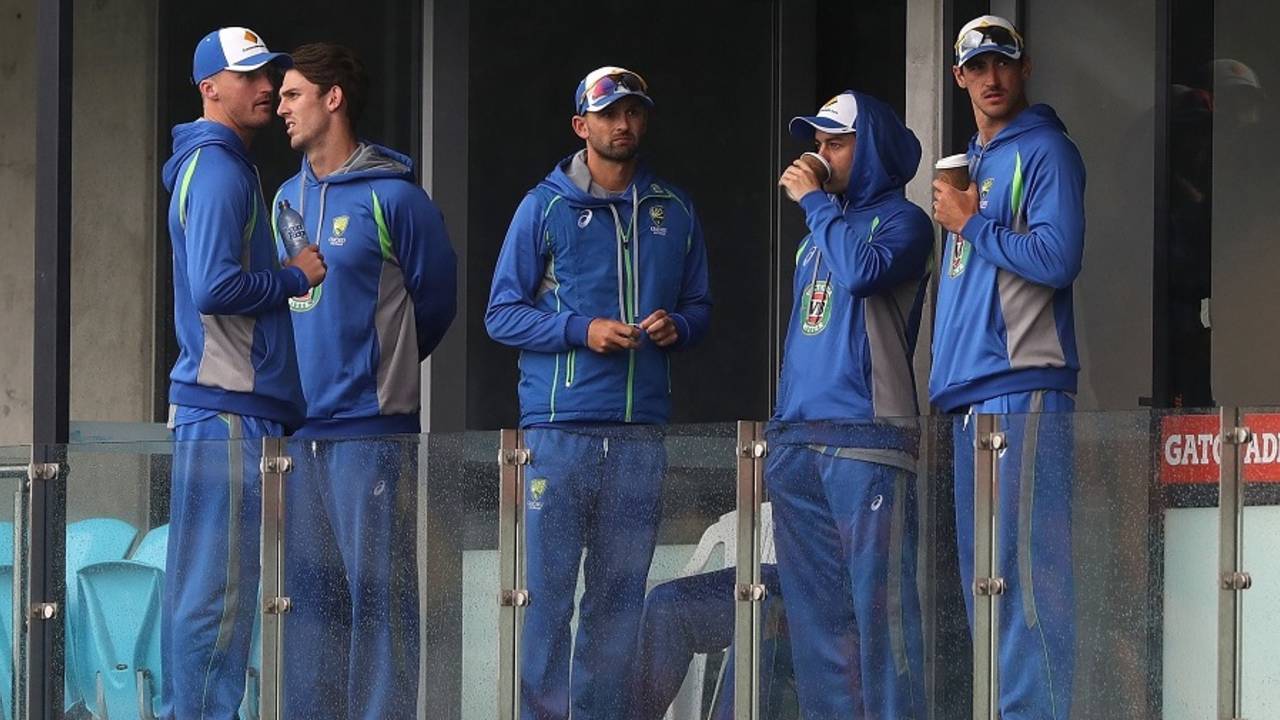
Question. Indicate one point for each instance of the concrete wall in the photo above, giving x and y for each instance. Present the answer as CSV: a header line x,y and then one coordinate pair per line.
x,y
113,191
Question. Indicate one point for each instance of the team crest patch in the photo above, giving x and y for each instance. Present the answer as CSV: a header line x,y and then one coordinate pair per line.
x,y
960,250
817,302
984,191
307,301
537,489
657,216
338,237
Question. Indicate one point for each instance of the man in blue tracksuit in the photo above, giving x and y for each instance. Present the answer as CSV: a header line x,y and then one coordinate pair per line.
x,y
350,561
1004,342
842,441
602,276
236,378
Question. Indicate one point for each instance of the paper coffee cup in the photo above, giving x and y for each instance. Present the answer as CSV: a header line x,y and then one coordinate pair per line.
x,y
818,164
954,169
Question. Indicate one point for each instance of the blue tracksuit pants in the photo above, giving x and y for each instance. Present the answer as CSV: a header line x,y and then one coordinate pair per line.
x,y
845,532
351,638
597,489
695,614
212,563
1037,623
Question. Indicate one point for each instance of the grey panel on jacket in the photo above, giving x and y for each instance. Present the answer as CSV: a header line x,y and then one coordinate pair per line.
x,y
1031,331
398,378
227,361
893,392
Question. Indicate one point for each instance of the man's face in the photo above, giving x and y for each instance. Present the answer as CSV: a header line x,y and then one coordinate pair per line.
x,y
306,110
837,150
245,97
996,84
615,132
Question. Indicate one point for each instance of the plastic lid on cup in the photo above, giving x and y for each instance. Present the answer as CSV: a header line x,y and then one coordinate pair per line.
x,y
952,162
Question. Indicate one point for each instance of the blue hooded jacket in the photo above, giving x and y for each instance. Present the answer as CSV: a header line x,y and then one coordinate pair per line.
x,y
235,342
570,257
388,297
1004,320
857,296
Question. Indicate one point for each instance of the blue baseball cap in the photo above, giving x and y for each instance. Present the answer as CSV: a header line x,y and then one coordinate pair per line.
x,y
604,86
837,117
988,33
233,48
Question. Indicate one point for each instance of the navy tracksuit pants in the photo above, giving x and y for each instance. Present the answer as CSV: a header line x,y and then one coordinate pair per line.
x,y
695,614
212,563
351,637
846,538
596,489
1037,623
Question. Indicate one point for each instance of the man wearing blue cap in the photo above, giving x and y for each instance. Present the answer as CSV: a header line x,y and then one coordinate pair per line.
x,y
843,439
602,276
1004,343
236,378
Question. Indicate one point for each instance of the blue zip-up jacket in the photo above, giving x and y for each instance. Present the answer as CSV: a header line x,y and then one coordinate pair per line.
x,y
1004,321
235,341
386,301
570,257
858,291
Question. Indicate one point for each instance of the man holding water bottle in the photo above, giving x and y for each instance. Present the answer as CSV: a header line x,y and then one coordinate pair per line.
x,y
388,299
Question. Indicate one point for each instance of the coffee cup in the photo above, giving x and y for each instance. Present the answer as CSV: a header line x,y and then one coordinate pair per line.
x,y
818,164
954,170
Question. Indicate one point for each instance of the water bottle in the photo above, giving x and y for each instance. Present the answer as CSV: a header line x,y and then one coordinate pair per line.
x,y
292,232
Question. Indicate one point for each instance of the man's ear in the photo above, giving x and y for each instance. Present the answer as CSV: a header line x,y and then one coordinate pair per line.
x,y
580,126
334,98
1026,66
208,90
958,73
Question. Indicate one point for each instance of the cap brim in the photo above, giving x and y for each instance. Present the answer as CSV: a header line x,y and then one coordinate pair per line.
x,y
1009,52
254,62
804,126
606,102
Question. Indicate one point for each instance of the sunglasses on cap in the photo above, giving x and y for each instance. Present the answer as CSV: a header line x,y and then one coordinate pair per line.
x,y
607,85
990,36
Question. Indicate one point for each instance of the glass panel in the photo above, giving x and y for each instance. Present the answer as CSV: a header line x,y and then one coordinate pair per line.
x,y
133,576
1260,676
946,475
1106,532
13,475
629,541
848,517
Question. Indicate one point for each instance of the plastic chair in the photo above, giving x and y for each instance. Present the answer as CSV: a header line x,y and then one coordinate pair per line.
x,y
6,543
721,534
153,548
117,654
89,542
6,637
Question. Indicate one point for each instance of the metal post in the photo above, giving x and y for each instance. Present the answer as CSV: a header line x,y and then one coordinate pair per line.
x,y
988,442
512,458
750,591
276,464
1233,580
45,582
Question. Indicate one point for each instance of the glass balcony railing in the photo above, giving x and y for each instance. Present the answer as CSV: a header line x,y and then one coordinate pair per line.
x,y
1079,565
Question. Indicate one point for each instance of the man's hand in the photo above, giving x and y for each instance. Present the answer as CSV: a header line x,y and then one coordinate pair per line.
x,y
660,328
605,336
311,263
798,180
952,208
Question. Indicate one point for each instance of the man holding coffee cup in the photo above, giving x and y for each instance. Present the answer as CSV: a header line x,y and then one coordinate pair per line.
x,y
1004,342
602,277
842,458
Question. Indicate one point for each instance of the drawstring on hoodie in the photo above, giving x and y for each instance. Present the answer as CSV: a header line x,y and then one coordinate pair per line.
x,y
631,245
302,201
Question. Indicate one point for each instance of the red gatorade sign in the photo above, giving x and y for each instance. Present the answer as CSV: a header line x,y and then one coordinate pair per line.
x,y
1191,449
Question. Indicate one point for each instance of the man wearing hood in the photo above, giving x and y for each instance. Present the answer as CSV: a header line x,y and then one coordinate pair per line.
x,y
387,301
1004,343
236,378
602,276
842,440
